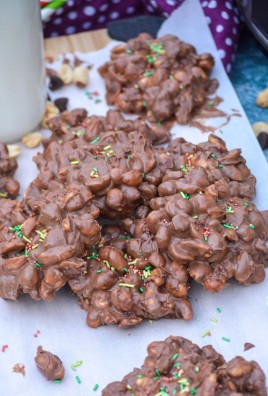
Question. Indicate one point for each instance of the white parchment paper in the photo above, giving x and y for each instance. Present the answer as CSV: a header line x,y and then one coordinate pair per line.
x,y
109,353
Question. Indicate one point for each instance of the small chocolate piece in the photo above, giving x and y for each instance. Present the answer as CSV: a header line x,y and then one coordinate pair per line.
x,y
55,83
177,366
263,140
49,365
61,104
19,368
9,188
248,346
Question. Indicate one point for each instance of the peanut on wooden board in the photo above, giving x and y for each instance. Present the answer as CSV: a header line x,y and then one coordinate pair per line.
x,y
50,111
262,98
32,139
13,150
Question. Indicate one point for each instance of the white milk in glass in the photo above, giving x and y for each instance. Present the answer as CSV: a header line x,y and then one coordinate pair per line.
x,y
22,76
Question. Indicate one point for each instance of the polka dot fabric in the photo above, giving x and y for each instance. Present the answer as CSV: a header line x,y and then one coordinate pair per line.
x,y
81,15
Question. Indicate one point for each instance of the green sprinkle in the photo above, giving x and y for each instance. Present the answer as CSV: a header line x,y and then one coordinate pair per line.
x,y
211,103
106,159
37,265
184,382
181,387
95,169
79,133
125,269
99,271
133,262
246,204
177,365
26,253
219,310
226,339
227,225
174,392
205,334
158,123
107,147
141,289
129,51
157,372
148,74
174,357
78,379
148,267
184,195
98,100
74,162
139,376
144,103
220,166
193,391
143,175
68,126
251,226
151,59
3,195
229,209
125,285
213,320
95,140
171,77
95,387
57,381
213,156
205,238
26,239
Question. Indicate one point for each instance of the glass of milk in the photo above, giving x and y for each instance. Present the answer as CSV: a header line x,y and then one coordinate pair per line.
x,y
22,71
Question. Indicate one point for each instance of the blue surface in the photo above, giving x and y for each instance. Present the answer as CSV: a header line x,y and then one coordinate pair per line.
x,y
249,76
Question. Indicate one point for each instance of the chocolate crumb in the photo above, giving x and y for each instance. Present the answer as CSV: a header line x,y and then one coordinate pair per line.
x,y
248,346
263,140
61,104
55,83
19,368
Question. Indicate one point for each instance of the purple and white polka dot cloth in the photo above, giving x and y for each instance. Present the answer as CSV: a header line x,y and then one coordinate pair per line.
x,y
82,15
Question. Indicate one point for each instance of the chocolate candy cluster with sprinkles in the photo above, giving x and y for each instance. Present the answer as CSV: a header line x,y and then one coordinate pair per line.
x,y
76,123
176,366
214,239
9,188
43,244
161,79
122,288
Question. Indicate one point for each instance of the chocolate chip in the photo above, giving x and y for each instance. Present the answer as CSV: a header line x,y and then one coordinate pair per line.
x,y
55,83
61,104
263,140
248,346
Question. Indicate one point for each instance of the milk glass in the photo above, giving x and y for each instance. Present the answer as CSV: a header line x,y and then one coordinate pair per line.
x,y
22,72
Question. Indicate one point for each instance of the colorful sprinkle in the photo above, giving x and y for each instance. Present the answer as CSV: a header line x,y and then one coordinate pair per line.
x,y
126,285
74,162
219,310
207,333
95,140
95,387
252,226
226,339
57,381
78,379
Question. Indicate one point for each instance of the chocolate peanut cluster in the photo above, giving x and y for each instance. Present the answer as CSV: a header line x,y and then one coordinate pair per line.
x,y
42,245
160,79
177,366
120,289
215,239
76,123
8,186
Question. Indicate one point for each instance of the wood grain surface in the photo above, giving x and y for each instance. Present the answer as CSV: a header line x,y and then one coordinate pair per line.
x,y
81,42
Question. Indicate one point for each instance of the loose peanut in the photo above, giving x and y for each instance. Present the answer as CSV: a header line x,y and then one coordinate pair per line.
x,y
259,127
81,77
262,98
66,73
50,111
32,139
13,150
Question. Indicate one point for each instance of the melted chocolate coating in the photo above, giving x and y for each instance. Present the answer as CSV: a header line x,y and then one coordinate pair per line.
x,y
158,78
40,250
216,240
75,123
8,166
49,365
118,289
177,366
